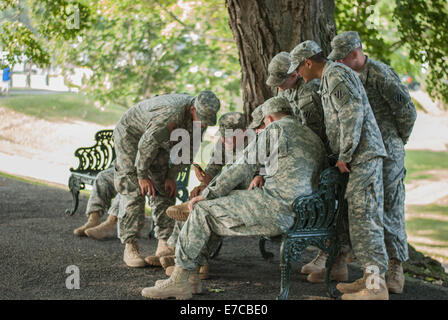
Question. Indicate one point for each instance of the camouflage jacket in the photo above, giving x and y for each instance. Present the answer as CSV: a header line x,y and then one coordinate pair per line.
x,y
307,105
390,101
292,171
221,158
352,131
148,120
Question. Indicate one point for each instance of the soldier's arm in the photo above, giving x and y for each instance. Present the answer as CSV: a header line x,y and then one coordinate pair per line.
x,y
400,102
242,170
217,161
350,110
154,138
174,169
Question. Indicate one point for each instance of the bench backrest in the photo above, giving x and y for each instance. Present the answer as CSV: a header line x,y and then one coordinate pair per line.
x,y
99,157
319,212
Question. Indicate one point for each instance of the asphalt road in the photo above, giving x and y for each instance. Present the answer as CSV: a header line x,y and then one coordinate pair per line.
x,y
37,246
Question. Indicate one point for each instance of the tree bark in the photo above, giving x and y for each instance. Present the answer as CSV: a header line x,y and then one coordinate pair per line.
x,y
263,28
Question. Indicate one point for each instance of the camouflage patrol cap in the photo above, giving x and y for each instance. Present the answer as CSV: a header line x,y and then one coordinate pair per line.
x,y
231,120
278,69
207,105
303,51
343,44
276,104
257,117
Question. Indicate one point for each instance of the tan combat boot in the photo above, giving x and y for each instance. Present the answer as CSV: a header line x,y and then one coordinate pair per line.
x,y
169,270
167,261
203,272
177,286
339,272
317,264
131,256
105,230
162,250
178,212
378,293
194,279
395,281
93,221
356,286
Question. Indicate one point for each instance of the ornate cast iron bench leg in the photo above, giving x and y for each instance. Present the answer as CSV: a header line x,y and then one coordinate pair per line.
x,y
333,252
285,269
74,185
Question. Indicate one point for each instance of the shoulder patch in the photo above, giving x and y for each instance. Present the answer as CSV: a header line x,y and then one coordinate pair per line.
x,y
334,80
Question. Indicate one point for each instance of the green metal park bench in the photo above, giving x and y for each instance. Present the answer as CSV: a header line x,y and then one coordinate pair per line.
x,y
99,157
315,224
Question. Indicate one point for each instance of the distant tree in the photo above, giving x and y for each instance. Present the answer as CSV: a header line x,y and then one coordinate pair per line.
x,y
134,49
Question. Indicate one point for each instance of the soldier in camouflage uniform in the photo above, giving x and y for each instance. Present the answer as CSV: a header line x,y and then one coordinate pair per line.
x,y
225,150
395,114
228,121
303,97
307,107
103,193
142,145
354,136
268,211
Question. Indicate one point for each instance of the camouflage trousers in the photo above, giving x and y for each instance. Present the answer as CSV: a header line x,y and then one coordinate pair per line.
x,y
103,191
394,195
206,251
132,202
365,214
225,216
214,241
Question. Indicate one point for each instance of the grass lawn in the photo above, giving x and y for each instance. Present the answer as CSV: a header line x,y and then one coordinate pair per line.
x,y
427,228
418,161
62,107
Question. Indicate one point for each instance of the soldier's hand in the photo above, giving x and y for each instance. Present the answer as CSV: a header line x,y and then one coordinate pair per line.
x,y
202,176
257,182
171,187
342,166
147,187
195,200
197,191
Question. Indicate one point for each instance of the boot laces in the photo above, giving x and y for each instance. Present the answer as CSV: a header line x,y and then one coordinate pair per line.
x,y
134,249
394,268
319,259
165,283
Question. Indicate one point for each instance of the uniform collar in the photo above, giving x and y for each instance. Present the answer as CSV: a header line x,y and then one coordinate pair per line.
x,y
324,71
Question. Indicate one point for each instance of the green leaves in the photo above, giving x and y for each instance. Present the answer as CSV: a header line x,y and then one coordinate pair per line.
x,y
424,25
411,35
19,42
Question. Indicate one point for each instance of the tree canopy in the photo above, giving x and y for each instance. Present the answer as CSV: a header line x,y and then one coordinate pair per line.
x,y
139,48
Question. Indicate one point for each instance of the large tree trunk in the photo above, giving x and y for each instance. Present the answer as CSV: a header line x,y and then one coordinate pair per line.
x,y
263,28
